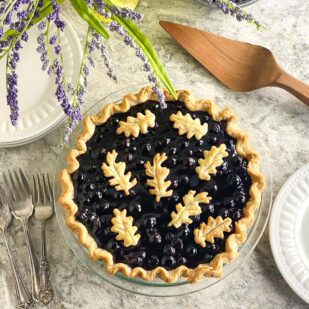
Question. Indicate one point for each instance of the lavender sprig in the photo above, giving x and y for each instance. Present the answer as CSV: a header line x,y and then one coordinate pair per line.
x,y
97,44
229,7
124,24
11,82
115,26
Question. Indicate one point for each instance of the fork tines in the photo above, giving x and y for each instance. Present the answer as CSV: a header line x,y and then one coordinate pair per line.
x,y
17,186
42,191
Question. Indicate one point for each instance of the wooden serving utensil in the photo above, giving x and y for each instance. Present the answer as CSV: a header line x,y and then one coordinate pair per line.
x,y
238,65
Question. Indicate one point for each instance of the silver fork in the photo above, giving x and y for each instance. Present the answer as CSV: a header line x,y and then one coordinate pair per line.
x,y
43,202
18,195
23,296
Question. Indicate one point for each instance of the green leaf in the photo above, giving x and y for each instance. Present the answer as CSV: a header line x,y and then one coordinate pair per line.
x,y
143,42
89,15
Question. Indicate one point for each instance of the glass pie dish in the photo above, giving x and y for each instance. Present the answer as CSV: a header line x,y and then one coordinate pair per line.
x,y
159,287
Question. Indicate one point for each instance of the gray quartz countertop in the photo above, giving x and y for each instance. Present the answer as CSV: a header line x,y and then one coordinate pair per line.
x,y
279,118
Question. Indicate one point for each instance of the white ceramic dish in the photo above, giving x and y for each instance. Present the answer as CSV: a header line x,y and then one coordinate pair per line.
x,y
289,231
39,110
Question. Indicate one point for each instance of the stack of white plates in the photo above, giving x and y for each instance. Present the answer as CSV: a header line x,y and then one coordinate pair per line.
x,y
40,112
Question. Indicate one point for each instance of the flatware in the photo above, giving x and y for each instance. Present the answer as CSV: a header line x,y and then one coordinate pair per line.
x,y
18,195
238,65
43,210
23,296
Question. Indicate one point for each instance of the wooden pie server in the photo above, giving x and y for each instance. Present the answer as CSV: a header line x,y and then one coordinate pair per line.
x,y
238,65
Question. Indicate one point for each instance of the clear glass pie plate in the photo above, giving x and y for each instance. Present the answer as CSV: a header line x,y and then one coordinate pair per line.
x,y
159,287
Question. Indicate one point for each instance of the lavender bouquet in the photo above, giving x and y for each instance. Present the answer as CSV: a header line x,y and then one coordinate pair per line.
x,y
18,16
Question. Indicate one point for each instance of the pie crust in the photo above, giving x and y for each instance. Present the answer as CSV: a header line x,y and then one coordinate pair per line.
x,y
233,241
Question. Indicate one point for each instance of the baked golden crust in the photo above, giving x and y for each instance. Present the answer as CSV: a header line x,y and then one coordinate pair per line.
x,y
244,149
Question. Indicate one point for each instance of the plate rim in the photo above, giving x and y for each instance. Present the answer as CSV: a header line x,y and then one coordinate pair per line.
x,y
274,245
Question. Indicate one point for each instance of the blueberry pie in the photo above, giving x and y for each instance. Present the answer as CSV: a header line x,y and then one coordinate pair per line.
x,y
162,193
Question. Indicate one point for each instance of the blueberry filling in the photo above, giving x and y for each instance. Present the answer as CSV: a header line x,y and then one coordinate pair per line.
x,y
159,245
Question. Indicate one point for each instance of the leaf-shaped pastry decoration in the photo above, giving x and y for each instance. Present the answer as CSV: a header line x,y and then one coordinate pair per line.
x,y
191,208
158,174
123,226
213,229
119,179
187,125
212,160
135,125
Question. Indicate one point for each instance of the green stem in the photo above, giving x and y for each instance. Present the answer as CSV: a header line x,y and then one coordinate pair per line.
x,y
85,53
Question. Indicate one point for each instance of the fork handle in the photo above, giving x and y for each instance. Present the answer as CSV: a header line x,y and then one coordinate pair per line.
x,y
34,265
24,300
46,293
296,87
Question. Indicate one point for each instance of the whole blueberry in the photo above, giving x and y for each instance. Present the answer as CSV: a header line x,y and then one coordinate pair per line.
x,y
133,149
174,184
181,260
135,207
153,261
208,257
103,205
211,248
171,161
146,149
170,237
128,157
234,180
237,214
191,250
199,142
169,250
239,197
210,208
228,202
184,232
185,144
215,128
126,143
238,161
113,245
173,151
154,238
168,261
190,161
223,212
184,180
150,222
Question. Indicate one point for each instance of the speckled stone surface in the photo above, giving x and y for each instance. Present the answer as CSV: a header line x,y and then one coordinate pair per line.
x,y
281,120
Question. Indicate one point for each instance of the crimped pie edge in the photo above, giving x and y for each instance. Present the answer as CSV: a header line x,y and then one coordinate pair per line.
x,y
244,149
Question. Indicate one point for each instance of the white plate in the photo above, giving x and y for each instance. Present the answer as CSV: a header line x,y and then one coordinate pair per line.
x,y
289,232
40,111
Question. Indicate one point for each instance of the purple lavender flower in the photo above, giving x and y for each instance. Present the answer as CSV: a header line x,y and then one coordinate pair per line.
x,y
126,13
229,7
53,40
42,25
12,92
25,37
58,49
